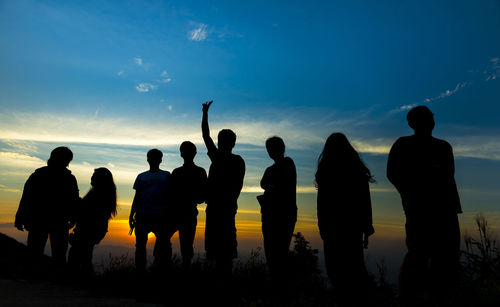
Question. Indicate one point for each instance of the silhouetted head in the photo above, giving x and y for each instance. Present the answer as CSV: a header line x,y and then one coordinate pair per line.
x,y
154,158
340,159
60,157
102,178
421,120
102,183
337,145
275,147
226,140
188,151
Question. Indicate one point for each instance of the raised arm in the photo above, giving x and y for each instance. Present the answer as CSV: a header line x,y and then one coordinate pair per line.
x,y
204,128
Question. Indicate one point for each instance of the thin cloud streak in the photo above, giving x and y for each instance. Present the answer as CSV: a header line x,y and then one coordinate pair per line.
x,y
145,87
199,34
298,135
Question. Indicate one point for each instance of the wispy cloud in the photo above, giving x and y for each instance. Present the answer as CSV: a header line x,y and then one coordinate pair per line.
x,y
145,87
199,34
164,77
448,92
120,73
7,189
299,134
493,70
138,61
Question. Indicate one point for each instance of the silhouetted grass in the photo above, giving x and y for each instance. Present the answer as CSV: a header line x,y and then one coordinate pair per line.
x,y
249,285
480,282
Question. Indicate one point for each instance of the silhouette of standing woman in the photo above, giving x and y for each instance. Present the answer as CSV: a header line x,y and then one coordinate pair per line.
x,y
225,180
278,207
344,214
92,216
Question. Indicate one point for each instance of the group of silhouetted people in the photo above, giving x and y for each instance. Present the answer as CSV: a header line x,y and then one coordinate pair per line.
x,y
420,166
50,206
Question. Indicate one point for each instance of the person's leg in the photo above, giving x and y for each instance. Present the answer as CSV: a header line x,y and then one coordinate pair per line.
x,y
87,253
268,234
445,260
331,261
162,251
187,231
59,245
37,239
412,283
74,254
141,240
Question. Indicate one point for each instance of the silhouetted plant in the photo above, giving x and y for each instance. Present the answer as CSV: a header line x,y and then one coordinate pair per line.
x,y
481,265
304,257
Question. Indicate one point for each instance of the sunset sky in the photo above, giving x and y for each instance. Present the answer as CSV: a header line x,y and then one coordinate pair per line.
x,y
112,79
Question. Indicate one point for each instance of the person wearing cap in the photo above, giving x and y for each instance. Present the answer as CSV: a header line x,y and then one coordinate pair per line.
x,y
421,167
46,208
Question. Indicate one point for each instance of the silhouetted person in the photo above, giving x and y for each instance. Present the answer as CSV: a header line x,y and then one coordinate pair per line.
x,y
421,168
148,212
225,180
91,217
344,216
278,207
188,187
47,205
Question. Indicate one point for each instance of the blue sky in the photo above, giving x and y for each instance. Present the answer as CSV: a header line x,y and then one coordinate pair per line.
x,y
112,79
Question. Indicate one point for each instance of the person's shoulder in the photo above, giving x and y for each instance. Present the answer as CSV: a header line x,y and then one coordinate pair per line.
x,y
143,174
403,142
200,169
237,158
164,172
405,139
441,143
177,170
41,171
288,160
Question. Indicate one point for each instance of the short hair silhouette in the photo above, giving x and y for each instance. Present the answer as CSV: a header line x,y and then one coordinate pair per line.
x,y
188,150
154,155
275,146
420,118
60,156
226,139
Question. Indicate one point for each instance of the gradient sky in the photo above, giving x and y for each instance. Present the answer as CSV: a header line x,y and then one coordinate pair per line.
x,y
112,79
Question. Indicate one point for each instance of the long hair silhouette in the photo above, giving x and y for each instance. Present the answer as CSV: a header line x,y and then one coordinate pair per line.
x,y
341,158
104,186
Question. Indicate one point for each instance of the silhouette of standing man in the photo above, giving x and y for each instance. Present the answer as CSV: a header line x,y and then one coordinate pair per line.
x,y
278,207
421,168
49,197
225,180
148,210
188,187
